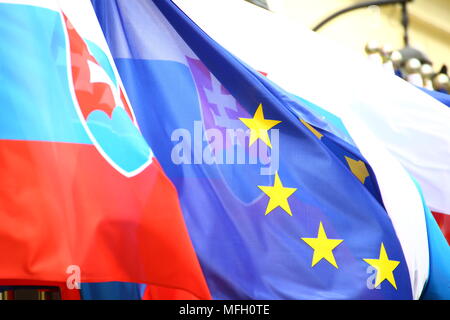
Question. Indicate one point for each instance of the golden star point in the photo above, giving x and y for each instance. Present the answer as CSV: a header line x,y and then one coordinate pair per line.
x,y
385,267
278,196
358,168
259,126
312,129
323,247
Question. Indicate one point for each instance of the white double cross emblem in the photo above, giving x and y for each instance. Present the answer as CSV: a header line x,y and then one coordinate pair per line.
x,y
223,102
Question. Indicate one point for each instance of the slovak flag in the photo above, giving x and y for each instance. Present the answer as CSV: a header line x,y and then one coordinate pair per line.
x,y
80,188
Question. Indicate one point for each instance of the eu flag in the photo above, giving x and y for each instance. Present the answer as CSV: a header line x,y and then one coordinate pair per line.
x,y
278,202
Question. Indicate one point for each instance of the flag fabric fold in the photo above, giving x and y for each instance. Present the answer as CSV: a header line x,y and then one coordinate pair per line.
x,y
310,225
379,111
412,125
155,164
82,196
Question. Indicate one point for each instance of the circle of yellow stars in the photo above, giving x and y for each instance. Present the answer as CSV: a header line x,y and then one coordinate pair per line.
x,y
279,195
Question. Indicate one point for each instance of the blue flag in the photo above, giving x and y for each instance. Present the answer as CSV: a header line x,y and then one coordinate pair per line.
x,y
278,201
440,96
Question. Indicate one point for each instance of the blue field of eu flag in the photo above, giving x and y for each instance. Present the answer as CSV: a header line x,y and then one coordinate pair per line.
x,y
278,201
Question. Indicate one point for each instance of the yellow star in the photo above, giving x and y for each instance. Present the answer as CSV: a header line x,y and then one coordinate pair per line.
x,y
259,126
311,128
323,247
358,168
385,267
278,195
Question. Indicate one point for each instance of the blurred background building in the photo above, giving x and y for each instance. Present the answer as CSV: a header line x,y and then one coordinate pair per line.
x,y
429,24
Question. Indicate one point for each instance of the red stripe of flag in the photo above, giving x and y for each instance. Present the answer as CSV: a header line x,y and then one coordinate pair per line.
x,y
443,221
62,204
